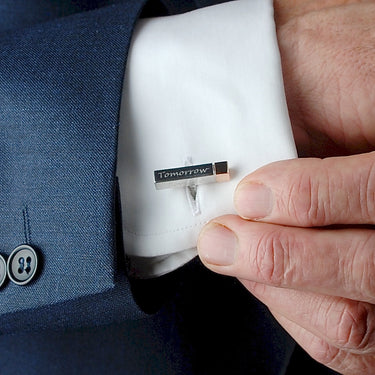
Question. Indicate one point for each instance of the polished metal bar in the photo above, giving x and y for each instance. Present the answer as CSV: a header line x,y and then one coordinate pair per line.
x,y
191,175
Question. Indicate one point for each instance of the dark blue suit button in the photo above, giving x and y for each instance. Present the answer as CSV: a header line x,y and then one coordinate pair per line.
x,y
22,264
3,270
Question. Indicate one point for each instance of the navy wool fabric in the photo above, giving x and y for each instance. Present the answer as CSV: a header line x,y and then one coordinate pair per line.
x,y
199,323
60,90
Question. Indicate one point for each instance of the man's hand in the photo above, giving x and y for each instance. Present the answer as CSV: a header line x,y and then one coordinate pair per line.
x,y
304,241
329,72
319,283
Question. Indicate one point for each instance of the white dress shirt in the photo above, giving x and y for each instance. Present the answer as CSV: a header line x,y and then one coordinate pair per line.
x,y
201,87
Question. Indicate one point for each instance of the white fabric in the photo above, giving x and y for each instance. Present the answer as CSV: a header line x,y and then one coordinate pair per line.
x,y
201,87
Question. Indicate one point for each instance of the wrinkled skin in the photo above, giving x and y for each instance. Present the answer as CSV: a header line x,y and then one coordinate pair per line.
x,y
303,241
329,71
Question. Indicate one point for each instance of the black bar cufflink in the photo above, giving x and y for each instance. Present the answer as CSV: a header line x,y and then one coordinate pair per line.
x,y
191,175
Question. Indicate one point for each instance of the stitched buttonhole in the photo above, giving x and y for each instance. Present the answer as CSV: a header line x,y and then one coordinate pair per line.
x,y
192,192
192,195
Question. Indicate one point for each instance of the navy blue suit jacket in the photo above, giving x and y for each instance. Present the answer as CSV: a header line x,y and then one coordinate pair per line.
x,y
61,72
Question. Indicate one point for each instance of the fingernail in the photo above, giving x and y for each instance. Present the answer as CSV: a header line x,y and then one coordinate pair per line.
x,y
253,200
217,245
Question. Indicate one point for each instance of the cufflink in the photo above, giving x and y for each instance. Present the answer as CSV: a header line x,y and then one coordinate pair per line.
x,y
191,175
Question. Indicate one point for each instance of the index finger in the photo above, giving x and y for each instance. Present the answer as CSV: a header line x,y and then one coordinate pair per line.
x,y
310,192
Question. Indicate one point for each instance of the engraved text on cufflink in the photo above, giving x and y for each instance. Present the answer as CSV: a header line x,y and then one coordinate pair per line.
x,y
191,175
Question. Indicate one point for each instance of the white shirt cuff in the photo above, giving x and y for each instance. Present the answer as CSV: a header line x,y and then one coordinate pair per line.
x,y
201,87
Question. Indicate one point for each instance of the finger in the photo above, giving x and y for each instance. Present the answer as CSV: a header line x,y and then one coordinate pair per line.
x,y
343,323
329,355
332,262
310,192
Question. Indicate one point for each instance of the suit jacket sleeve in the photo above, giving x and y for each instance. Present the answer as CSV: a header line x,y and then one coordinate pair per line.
x,y
60,90
61,74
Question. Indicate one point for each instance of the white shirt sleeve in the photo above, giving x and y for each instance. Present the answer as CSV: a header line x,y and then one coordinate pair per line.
x,y
201,87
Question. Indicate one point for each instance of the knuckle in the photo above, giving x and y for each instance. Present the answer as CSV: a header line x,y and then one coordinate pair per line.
x,y
272,258
354,328
367,191
324,194
308,200
364,280
323,352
